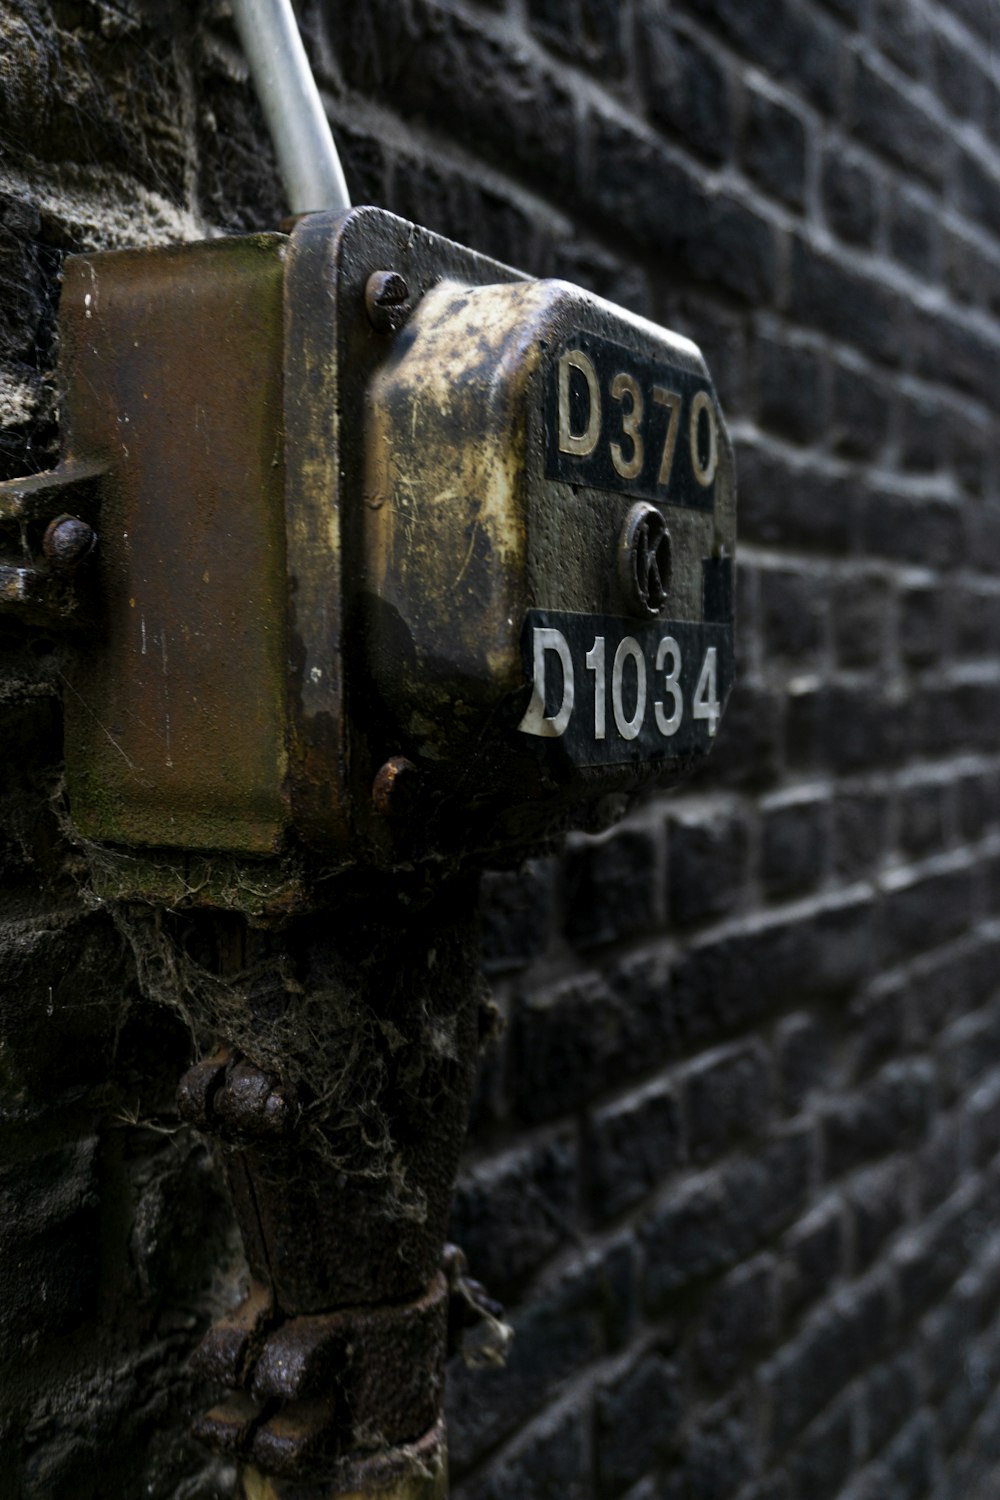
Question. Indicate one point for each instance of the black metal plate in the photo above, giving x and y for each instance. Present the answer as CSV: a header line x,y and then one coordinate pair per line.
x,y
593,410
659,701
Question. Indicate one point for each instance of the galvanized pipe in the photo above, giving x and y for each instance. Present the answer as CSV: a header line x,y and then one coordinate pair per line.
x,y
307,155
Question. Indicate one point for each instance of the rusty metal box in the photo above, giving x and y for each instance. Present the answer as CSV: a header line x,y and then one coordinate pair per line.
x,y
401,552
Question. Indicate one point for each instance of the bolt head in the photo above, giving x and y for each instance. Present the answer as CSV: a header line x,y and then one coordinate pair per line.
x,y
387,301
68,541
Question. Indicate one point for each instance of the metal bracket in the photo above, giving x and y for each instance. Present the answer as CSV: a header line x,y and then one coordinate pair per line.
x,y
48,530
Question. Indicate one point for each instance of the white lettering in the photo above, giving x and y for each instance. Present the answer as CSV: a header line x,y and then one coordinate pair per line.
x,y
535,720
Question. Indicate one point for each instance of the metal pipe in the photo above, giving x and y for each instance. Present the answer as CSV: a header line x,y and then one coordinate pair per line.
x,y
307,155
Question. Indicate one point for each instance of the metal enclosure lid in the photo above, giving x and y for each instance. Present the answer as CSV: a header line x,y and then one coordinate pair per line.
x,y
497,497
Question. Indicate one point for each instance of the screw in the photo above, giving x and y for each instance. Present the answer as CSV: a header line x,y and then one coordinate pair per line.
x,y
387,300
644,560
68,541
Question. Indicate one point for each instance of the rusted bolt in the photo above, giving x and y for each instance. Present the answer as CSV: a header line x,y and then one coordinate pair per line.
x,y
252,1104
644,560
387,299
393,787
67,541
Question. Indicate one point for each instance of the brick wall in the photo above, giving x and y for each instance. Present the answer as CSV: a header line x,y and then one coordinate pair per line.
x,y
734,1164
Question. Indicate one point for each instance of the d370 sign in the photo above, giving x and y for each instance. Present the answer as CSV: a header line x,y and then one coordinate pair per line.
x,y
614,691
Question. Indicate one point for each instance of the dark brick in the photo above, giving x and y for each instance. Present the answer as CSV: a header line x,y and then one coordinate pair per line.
x,y
972,274
911,1459
920,421
365,161
738,979
878,1209
970,448
978,191
50,1253
862,406
794,505
748,748
738,1322
976,619
914,237
941,1163
929,532
830,1351
958,82
902,33
922,817
978,15
713,236
512,1213
572,1042
860,832
69,963
886,119
633,1145
878,1022
612,887
686,87
814,1257
729,1096
978,803
516,912
558,1334
588,32
714,1461
982,1113
785,41
825,1455
706,863
984,533
552,1464
968,1049
955,984
928,1264
805,1059
957,353
775,1488
795,845
720,333
846,727
891,1112
774,148
923,912
637,1417
923,623
862,612
890,1396
713,1222
850,194
789,382
849,305
591,266
793,609
431,62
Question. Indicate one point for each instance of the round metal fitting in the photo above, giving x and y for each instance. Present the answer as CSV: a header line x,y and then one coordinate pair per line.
x,y
644,560
387,301
67,541
394,787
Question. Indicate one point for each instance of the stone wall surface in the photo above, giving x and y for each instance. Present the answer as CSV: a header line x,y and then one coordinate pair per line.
x,y
735,1163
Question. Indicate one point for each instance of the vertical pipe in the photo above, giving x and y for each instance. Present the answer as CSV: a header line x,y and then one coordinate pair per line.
x,y
307,155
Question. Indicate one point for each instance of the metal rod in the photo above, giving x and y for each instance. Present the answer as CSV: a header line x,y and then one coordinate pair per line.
x,y
307,155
